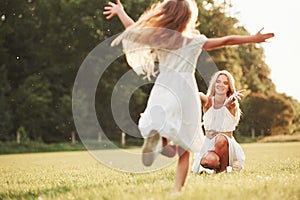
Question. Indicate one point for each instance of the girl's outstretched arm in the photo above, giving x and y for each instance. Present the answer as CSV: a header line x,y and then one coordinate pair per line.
x,y
214,43
117,9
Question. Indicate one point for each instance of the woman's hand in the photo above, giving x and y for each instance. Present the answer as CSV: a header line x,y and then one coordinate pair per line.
x,y
113,9
235,96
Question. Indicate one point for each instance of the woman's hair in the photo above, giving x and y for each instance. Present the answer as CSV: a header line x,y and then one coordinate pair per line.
x,y
231,88
162,26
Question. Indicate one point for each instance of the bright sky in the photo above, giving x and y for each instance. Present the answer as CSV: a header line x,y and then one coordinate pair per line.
x,y
282,52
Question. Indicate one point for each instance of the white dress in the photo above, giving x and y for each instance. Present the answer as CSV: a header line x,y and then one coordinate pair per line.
x,y
220,120
173,108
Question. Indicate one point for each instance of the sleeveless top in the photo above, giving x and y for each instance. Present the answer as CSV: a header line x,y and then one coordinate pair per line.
x,y
219,120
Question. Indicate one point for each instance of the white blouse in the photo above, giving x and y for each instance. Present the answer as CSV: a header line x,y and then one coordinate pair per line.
x,y
219,120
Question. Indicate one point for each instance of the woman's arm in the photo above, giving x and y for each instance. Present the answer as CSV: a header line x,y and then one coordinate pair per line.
x,y
203,98
117,9
214,43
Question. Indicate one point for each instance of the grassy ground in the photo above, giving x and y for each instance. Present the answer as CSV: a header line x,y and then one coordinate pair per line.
x,y
272,172
37,147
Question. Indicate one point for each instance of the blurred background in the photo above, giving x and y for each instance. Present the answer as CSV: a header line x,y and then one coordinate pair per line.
x,y
43,44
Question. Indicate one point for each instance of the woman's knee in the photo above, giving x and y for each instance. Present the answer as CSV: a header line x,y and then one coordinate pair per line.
x,y
210,160
221,142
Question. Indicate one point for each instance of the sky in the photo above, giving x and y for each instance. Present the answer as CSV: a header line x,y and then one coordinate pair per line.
x,y
281,52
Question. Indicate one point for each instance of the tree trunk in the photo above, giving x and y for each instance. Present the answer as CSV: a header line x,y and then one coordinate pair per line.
x,y
73,137
123,139
18,137
252,132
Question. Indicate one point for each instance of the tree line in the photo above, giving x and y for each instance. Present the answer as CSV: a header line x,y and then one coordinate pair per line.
x,y
43,43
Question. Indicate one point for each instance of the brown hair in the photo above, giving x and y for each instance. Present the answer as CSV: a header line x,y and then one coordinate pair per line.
x,y
231,89
162,26
163,23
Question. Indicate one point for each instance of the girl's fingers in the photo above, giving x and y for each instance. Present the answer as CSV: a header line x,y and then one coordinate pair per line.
x,y
269,35
111,4
109,16
107,8
106,12
261,29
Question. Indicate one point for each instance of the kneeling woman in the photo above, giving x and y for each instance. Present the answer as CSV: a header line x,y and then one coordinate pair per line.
x,y
221,116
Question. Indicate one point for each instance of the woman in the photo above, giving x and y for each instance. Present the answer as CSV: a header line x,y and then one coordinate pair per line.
x,y
167,33
221,116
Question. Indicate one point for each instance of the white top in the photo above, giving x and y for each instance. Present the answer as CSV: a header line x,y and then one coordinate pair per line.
x,y
173,108
219,120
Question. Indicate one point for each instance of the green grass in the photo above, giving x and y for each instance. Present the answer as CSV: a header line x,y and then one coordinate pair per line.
x,y
272,171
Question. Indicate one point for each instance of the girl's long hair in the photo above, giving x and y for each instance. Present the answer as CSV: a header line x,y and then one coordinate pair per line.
x,y
161,27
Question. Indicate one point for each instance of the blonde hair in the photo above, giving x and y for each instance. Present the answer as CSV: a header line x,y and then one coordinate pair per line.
x,y
161,27
211,88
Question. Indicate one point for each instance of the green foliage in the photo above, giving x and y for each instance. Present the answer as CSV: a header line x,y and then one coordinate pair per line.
x,y
33,101
6,124
271,114
24,139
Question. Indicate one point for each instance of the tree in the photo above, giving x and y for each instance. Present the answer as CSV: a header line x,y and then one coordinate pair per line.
x,y
6,124
33,103
43,44
271,114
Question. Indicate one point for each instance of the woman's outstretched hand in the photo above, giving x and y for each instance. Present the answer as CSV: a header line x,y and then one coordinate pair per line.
x,y
262,37
235,96
113,9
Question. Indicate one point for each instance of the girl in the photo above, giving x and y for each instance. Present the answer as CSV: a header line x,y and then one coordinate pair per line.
x,y
167,34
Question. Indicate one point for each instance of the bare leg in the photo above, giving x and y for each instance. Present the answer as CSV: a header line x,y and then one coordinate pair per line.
x,y
221,148
168,150
211,160
148,154
182,169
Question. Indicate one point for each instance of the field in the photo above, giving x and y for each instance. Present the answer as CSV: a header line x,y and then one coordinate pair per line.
x,y
272,172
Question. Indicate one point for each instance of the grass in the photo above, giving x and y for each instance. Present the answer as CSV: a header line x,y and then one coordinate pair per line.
x,y
281,138
272,172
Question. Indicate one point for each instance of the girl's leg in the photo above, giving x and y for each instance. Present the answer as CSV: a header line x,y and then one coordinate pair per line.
x,y
155,144
168,150
182,169
150,143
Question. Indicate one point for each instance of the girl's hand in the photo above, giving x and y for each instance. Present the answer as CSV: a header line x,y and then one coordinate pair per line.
x,y
263,37
113,9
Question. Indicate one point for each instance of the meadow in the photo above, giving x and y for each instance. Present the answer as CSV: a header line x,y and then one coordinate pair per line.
x,y
272,171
